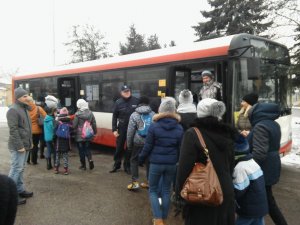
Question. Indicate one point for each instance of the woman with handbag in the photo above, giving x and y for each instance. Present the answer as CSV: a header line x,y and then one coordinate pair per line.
x,y
162,147
36,113
219,140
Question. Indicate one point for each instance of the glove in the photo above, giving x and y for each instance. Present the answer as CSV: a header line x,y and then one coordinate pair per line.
x,y
178,202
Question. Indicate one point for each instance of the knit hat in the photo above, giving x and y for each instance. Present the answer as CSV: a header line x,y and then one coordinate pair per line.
x,y
251,98
82,104
144,100
207,73
51,102
241,146
64,110
185,96
210,107
19,92
167,105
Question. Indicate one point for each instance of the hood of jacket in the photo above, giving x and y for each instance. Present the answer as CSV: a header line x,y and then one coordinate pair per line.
x,y
168,121
85,115
143,109
263,111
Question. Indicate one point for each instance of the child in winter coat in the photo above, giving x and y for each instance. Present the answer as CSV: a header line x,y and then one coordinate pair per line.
x,y
249,186
49,135
63,129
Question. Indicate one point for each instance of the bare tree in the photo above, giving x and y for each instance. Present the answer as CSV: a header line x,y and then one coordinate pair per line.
x,y
87,44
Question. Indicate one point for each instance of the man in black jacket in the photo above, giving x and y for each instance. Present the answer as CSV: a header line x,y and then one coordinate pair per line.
x,y
124,107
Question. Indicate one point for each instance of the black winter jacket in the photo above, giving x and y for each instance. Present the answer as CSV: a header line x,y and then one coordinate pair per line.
x,y
122,110
264,140
219,139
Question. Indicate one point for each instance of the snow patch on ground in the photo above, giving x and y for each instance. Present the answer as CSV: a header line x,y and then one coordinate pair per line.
x,y
293,158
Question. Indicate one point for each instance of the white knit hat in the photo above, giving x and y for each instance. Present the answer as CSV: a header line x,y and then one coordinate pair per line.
x,y
185,97
210,107
167,105
51,102
82,104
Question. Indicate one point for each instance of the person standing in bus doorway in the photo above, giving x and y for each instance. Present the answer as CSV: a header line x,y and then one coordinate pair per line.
x,y
210,88
264,141
20,140
123,108
243,123
82,116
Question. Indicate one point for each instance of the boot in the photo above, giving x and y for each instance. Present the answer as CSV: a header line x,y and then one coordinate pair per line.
x,y
165,221
49,165
56,170
91,164
115,168
66,172
83,164
158,222
42,147
34,157
29,156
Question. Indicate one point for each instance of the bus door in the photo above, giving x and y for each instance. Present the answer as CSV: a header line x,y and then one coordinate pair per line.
x,y
67,93
181,80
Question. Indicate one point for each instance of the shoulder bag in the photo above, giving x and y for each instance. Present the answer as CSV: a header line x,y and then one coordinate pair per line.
x,y
40,117
202,185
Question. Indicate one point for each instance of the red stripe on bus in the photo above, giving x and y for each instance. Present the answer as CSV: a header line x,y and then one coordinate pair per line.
x,y
220,51
286,148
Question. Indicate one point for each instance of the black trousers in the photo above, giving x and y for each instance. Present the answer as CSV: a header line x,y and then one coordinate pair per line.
x,y
274,211
121,151
34,151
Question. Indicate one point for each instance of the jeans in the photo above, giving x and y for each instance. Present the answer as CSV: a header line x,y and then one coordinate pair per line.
x,y
165,173
84,150
50,150
274,211
18,160
134,162
248,221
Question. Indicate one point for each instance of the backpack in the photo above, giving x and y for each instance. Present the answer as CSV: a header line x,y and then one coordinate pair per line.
x,y
147,120
87,131
63,130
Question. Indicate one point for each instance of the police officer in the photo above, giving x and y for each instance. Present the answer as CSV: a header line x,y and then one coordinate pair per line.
x,y
124,107
210,88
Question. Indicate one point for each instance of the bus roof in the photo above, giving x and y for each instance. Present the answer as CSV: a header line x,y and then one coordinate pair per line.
x,y
203,49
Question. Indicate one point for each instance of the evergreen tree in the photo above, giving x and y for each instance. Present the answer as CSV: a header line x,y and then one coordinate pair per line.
x,y
232,17
152,42
172,43
87,44
135,43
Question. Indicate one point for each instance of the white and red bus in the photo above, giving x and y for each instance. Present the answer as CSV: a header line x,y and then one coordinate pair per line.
x,y
242,63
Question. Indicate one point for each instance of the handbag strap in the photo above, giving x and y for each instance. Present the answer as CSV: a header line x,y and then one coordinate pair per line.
x,y
202,142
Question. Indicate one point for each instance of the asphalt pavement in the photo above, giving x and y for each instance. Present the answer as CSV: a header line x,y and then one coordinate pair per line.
x,y
97,197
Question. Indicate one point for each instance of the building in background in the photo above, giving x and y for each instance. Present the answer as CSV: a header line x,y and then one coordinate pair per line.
x,y
5,92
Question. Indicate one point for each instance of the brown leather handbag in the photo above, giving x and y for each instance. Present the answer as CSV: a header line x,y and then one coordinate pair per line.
x,y
202,185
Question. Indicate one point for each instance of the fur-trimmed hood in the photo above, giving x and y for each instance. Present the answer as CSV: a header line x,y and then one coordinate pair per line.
x,y
167,121
159,116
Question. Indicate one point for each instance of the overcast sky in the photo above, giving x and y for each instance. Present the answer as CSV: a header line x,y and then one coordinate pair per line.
x,y
32,29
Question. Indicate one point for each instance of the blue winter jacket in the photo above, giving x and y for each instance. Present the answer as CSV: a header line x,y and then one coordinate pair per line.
x,y
264,140
163,140
49,128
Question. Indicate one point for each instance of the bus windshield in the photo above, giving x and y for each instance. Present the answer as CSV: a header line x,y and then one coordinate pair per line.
x,y
272,84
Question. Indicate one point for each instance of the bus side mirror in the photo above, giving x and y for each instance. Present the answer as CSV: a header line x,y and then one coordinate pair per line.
x,y
253,66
